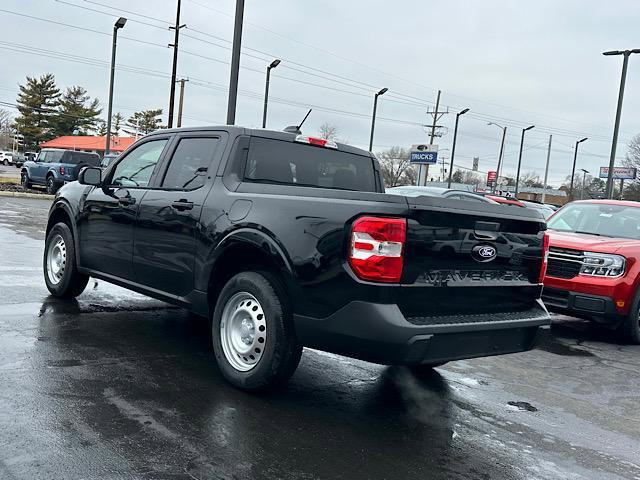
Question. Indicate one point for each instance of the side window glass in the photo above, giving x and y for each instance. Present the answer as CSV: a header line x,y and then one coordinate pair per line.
x,y
136,168
42,157
190,163
54,157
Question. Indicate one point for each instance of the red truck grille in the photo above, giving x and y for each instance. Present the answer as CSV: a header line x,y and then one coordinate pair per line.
x,y
564,262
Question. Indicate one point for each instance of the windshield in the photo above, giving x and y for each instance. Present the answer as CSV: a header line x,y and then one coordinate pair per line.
x,y
619,221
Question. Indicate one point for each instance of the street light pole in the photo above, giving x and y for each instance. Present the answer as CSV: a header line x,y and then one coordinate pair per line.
x,y
453,148
235,63
373,117
616,128
273,64
584,179
501,154
120,23
573,170
520,159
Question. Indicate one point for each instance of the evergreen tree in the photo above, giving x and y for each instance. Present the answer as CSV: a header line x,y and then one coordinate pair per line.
x,y
37,103
143,122
116,123
101,128
76,112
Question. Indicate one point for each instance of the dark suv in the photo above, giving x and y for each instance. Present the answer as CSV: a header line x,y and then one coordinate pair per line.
x,y
286,241
53,168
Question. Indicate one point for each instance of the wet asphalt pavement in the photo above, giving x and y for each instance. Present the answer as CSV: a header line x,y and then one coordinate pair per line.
x,y
119,386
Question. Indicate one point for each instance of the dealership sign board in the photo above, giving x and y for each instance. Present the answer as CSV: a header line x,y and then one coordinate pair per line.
x,y
424,154
492,177
619,173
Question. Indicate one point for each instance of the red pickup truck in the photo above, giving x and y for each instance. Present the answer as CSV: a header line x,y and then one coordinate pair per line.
x,y
593,270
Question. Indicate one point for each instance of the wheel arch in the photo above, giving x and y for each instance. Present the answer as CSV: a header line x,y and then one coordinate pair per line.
x,y
61,212
246,249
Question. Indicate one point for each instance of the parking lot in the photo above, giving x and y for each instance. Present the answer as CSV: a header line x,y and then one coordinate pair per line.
x,y
116,385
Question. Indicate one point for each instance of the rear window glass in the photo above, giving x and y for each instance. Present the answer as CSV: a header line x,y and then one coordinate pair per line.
x,y
76,158
288,163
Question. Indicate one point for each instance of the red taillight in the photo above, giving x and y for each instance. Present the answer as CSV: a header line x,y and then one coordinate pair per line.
x,y
61,169
545,257
377,248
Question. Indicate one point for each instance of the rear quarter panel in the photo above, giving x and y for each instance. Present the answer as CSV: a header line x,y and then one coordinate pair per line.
x,y
311,228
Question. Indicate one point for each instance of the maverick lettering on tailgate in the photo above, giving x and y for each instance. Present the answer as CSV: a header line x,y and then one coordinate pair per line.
x,y
461,278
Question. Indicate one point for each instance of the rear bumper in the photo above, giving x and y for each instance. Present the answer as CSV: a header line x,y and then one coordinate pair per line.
x,y
577,304
380,333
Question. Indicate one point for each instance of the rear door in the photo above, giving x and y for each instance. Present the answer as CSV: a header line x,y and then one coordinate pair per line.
x,y
475,257
108,214
169,215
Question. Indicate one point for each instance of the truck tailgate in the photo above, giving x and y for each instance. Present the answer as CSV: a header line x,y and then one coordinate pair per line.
x,y
473,258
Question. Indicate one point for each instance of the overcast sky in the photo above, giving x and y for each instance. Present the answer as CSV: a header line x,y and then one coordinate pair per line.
x,y
512,62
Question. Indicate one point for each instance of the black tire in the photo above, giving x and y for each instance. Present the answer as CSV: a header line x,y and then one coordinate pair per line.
x,y
71,283
52,186
281,351
6,162
24,180
630,327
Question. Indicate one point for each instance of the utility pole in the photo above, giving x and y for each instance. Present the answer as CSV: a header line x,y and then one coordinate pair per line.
x,y
172,93
546,171
437,115
616,128
235,63
182,82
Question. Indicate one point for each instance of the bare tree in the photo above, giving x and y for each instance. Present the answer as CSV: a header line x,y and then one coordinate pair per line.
x,y
531,179
328,131
396,168
6,131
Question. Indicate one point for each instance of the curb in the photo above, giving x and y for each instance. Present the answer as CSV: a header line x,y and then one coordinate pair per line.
x,y
39,196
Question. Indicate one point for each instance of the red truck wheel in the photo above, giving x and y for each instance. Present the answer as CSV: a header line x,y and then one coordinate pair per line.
x,y
631,325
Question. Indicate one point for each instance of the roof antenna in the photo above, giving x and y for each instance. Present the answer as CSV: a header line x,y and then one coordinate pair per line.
x,y
296,128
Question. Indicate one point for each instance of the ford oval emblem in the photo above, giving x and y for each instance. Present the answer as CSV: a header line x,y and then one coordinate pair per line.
x,y
484,253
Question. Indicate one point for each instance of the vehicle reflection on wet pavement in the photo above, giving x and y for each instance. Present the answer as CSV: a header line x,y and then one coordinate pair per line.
x,y
116,385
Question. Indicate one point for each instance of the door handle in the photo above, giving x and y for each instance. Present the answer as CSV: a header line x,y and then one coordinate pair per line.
x,y
126,200
182,205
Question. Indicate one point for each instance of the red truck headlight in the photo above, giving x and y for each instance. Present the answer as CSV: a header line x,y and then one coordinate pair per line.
x,y
377,248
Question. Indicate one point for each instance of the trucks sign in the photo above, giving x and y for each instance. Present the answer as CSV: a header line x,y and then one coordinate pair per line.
x,y
619,173
424,154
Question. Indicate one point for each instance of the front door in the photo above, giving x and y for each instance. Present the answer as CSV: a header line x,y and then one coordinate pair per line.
x,y
165,236
109,212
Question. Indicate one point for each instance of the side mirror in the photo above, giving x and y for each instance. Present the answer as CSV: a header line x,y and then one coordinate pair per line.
x,y
90,176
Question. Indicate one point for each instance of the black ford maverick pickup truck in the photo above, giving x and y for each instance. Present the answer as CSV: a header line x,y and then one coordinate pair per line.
x,y
285,241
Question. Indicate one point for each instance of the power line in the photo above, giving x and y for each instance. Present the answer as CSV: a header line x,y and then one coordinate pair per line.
x,y
355,83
